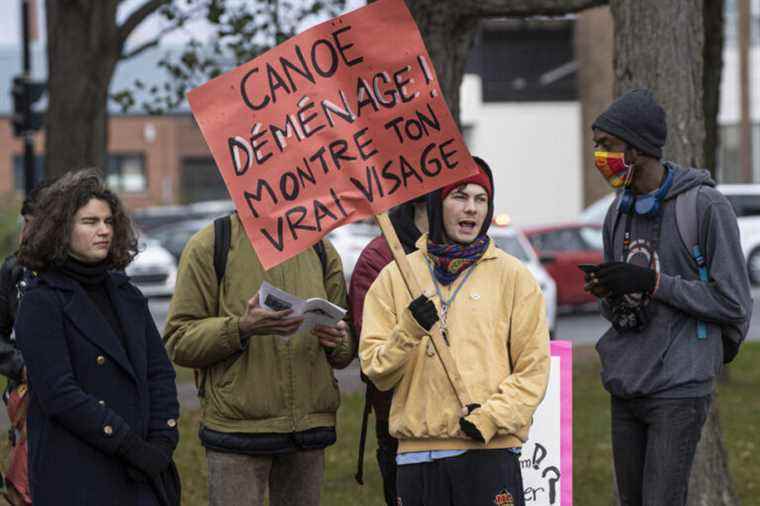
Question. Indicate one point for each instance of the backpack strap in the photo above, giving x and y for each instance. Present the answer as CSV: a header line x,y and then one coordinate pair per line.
x,y
222,238
359,476
321,252
222,233
687,222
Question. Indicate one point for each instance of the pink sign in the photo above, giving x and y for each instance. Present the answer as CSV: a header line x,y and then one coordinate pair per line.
x,y
547,458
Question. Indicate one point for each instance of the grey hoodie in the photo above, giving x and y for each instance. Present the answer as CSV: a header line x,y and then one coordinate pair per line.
x,y
666,359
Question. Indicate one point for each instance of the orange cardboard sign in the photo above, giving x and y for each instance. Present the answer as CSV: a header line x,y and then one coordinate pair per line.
x,y
341,122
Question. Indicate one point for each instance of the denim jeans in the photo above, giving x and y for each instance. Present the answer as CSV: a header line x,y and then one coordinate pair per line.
x,y
653,444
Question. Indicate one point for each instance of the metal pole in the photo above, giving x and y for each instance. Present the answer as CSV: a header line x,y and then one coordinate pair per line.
x,y
745,123
29,164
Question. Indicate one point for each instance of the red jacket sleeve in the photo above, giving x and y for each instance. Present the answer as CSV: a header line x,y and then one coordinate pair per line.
x,y
376,255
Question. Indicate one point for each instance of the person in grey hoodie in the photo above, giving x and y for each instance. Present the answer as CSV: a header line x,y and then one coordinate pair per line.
x,y
659,363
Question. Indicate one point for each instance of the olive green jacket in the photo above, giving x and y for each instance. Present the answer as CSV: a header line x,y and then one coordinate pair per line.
x,y
274,384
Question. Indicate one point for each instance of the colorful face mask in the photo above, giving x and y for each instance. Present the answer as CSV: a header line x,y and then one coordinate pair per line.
x,y
612,166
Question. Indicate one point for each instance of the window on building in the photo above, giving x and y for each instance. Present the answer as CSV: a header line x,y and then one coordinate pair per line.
x,y
126,173
731,23
524,62
200,180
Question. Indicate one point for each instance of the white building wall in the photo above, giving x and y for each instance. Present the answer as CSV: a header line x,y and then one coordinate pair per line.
x,y
534,150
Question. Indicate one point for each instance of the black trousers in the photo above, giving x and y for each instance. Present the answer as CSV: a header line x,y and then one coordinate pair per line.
x,y
386,460
653,444
475,478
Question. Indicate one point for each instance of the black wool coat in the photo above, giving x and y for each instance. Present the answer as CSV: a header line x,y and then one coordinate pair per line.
x,y
88,389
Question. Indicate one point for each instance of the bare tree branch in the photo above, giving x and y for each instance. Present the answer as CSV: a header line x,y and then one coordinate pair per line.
x,y
145,46
176,25
138,16
487,8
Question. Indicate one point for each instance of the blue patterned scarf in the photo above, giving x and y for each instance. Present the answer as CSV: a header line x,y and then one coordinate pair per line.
x,y
450,260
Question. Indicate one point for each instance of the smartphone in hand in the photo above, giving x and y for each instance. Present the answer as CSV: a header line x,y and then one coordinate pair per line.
x,y
588,268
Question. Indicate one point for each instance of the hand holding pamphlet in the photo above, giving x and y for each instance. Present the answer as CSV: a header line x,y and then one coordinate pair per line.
x,y
315,311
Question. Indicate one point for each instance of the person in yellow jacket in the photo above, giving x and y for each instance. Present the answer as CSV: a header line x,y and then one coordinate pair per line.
x,y
494,320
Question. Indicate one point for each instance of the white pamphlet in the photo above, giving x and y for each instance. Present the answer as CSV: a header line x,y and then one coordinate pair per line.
x,y
315,311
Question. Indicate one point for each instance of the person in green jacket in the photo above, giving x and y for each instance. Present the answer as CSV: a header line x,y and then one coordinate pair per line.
x,y
268,393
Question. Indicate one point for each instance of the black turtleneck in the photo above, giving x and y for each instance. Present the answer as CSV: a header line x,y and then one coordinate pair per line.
x,y
92,278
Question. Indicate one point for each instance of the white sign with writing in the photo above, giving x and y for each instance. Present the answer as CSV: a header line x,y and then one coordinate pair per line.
x,y
547,458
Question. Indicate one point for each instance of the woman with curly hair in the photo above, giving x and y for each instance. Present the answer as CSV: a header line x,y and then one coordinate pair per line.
x,y
102,418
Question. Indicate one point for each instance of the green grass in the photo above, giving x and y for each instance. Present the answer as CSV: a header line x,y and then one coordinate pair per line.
x,y
339,486
592,449
740,418
739,404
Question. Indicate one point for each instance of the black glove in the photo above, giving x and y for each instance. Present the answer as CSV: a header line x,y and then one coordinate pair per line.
x,y
424,312
592,286
468,427
150,457
621,278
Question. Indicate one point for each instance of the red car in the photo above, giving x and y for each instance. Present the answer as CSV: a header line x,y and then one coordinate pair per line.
x,y
561,248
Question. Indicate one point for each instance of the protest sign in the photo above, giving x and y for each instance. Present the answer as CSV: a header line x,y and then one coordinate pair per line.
x,y
547,458
339,123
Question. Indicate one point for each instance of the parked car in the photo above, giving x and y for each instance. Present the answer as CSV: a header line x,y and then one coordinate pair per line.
x,y
745,199
174,236
514,242
154,270
149,219
349,241
560,249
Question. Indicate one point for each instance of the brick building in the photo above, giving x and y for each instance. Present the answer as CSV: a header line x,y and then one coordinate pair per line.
x,y
153,160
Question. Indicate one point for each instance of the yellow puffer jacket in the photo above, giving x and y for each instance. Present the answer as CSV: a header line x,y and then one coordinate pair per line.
x,y
499,339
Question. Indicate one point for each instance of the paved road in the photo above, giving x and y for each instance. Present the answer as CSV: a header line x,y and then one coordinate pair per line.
x,y
581,328
586,328
348,378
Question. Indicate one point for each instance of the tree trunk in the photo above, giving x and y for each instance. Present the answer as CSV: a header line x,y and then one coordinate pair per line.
x,y
656,47
83,48
711,482
594,49
448,35
713,55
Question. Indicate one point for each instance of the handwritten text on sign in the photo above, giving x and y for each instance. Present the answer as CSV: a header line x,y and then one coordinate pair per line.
x,y
339,123
547,458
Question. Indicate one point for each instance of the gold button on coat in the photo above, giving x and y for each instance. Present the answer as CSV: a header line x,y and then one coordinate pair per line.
x,y
100,360
171,422
108,430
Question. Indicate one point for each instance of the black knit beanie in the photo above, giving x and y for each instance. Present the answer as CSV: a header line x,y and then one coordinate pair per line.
x,y
637,119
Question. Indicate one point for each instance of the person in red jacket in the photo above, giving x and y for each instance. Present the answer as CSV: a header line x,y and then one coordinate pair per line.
x,y
410,221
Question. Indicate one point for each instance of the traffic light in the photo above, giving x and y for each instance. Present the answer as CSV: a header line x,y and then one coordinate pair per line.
x,y
25,93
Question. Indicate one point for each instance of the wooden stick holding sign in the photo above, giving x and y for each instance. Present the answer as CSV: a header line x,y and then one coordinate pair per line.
x,y
441,348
